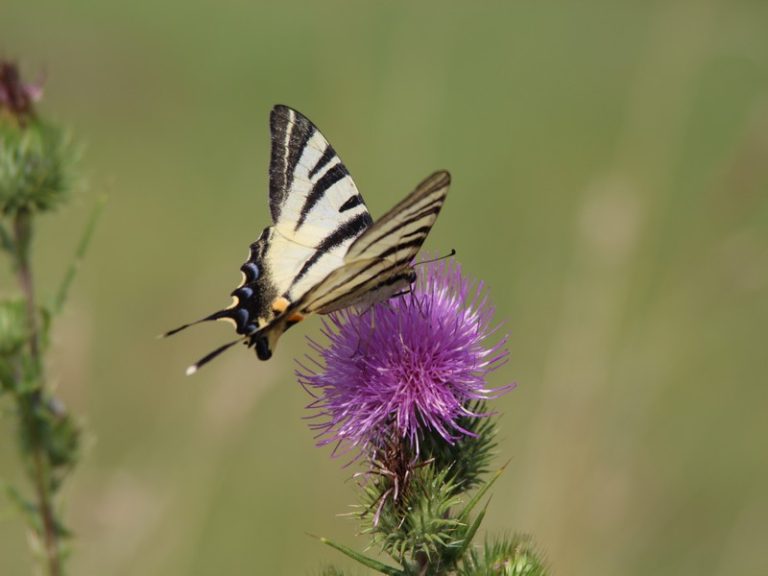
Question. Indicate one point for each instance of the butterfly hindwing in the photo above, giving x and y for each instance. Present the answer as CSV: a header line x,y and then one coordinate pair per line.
x,y
399,234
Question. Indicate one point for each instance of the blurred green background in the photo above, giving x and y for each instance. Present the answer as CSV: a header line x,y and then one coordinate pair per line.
x,y
610,184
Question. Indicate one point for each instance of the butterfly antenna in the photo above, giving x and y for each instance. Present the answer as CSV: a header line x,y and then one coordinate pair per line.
x,y
211,355
453,253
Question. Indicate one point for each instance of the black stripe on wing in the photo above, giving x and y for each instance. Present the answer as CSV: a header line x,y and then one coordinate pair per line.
x,y
349,229
417,212
403,229
328,155
328,180
375,288
351,202
290,133
380,272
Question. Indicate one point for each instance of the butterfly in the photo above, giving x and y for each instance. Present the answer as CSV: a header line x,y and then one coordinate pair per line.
x,y
323,251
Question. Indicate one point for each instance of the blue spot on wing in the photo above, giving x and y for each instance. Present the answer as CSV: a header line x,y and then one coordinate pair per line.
x,y
251,271
244,292
240,315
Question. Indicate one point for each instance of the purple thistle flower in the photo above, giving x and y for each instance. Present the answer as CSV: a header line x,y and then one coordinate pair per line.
x,y
406,366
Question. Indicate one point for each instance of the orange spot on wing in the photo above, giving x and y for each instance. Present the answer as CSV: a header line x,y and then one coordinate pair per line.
x,y
279,305
295,317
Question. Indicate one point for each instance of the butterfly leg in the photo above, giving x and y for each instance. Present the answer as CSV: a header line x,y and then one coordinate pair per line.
x,y
371,313
402,293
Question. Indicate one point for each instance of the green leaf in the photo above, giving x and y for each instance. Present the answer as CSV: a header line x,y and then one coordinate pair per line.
x,y
362,559
470,533
62,532
6,242
464,515
82,248
469,456
6,376
62,438
26,508
13,326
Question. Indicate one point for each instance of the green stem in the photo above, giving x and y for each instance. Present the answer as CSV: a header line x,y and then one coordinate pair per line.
x,y
50,537
22,227
422,562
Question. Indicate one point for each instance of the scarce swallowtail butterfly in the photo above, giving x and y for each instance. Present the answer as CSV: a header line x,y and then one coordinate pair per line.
x,y
323,251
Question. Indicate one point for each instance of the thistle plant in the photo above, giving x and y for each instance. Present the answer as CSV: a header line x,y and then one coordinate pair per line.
x,y
36,175
402,387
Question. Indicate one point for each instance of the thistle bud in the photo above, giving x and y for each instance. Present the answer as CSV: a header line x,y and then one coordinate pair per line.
x,y
13,326
34,156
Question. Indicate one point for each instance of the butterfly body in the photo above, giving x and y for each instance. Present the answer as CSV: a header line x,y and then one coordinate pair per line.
x,y
323,251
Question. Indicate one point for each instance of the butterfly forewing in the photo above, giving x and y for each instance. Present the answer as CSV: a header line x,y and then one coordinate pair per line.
x,y
316,207
317,213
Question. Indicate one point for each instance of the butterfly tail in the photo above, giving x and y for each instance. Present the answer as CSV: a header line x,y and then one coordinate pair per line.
x,y
221,314
211,355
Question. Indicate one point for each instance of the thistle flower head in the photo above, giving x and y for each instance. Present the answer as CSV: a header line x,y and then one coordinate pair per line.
x,y
16,96
407,366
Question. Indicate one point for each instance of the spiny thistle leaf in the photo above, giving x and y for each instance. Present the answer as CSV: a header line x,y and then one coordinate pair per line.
x,y
362,559
469,456
464,515
468,536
